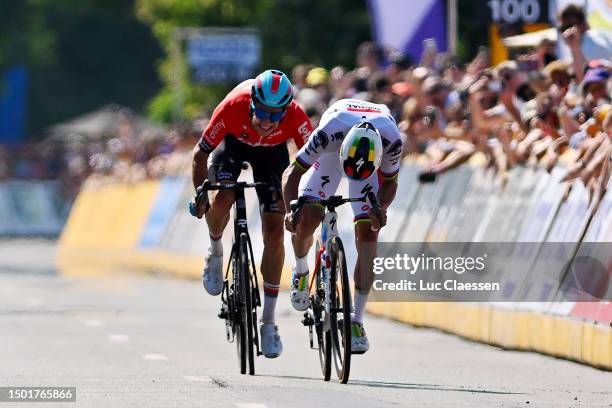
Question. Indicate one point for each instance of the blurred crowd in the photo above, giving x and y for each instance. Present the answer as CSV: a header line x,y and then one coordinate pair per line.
x,y
533,109
127,154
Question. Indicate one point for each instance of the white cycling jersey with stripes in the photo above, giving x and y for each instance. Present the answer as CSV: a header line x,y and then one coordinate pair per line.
x,y
320,155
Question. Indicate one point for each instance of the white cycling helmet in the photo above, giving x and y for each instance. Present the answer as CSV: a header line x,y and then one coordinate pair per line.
x,y
361,151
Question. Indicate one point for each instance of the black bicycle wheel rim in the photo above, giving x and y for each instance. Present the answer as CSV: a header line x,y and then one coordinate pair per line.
x,y
323,336
341,335
237,316
247,310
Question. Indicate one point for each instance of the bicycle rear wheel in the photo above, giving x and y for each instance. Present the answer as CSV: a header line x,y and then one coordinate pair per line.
x,y
247,304
340,316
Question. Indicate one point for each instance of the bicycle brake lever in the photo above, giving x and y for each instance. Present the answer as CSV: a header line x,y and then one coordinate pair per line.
x,y
376,208
296,209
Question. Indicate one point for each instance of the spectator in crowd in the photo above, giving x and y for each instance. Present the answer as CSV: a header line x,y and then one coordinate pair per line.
x,y
299,73
584,43
530,110
369,58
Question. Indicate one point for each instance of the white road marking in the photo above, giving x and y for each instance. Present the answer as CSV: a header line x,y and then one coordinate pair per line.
x,y
198,378
118,338
94,323
154,357
250,405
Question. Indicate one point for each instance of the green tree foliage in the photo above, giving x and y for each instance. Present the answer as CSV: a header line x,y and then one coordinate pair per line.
x,y
322,32
80,55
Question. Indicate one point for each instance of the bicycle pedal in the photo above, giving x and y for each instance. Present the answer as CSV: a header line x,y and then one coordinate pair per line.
x,y
222,314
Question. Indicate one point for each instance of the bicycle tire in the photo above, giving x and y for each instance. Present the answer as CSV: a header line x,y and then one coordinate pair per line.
x,y
342,354
236,314
323,336
247,304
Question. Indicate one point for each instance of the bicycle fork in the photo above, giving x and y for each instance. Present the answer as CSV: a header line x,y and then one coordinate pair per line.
x,y
323,266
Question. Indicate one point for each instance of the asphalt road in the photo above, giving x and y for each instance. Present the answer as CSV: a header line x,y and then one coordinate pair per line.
x,y
155,342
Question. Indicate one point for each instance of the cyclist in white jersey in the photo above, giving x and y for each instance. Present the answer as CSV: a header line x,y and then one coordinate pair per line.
x,y
316,172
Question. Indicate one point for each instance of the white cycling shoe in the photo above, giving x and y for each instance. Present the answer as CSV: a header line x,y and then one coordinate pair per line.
x,y
359,339
271,345
298,291
212,278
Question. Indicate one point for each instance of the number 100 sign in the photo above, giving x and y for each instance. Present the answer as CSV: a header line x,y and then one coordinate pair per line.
x,y
518,11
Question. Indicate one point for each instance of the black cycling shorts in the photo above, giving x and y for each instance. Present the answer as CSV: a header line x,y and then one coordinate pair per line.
x,y
268,163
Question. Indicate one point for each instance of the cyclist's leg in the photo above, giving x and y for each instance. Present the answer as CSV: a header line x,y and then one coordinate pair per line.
x,y
269,163
320,181
223,166
365,241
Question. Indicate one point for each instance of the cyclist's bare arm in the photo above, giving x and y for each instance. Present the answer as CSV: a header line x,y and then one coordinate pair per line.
x,y
291,182
386,193
199,168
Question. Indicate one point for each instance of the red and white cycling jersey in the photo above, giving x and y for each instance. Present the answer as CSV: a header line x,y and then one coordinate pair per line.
x,y
233,117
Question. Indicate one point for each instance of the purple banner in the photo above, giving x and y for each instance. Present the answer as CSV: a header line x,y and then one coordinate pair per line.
x,y
403,25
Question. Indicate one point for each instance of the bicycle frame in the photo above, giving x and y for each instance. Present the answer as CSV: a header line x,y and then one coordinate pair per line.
x,y
240,227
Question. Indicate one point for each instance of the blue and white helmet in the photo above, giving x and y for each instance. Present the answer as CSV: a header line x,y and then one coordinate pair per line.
x,y
272,88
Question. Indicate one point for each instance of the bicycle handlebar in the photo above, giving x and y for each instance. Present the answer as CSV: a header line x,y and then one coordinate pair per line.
x,y
332,202
208,186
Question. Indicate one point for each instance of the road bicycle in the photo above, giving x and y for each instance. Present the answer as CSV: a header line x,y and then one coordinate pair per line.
x,y
329,312
240,295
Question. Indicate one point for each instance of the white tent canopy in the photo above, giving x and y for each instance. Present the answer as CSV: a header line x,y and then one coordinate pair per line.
x,y
531,39
104,123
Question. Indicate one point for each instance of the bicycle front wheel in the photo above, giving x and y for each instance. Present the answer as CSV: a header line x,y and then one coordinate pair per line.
x,y
237,307
322,328
247,310
340,316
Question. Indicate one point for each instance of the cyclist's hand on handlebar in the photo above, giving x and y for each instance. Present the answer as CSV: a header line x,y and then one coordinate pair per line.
x,y
289,222
199,205
293,214
203,207
376,225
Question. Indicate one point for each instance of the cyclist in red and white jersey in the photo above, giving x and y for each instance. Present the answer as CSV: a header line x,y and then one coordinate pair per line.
x,y
359,140
253,124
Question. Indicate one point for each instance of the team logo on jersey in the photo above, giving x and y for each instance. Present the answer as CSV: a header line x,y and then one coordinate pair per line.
x,y
303,130
324,181
367,189
395,149
216,129
205,146
317,140
363,108
336,136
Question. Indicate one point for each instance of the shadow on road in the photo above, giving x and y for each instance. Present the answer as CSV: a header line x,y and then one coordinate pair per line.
x,y
397,385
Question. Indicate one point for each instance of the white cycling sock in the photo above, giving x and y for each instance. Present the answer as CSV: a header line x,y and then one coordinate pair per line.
x,y
270,296
301,265
360,301
216,246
